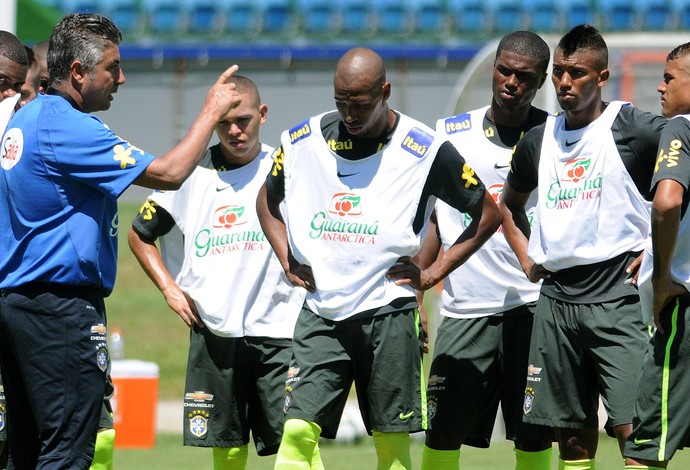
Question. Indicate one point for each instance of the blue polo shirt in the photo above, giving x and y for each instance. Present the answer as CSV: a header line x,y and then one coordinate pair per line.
x,y
62,172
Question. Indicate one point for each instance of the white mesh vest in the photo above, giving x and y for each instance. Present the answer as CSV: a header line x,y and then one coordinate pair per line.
x,y
491,280
589,209
351,220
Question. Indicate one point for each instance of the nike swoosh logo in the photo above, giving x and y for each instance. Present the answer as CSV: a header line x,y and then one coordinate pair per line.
x,y
641,441
342,175
405,416
570,144
219,189
498,167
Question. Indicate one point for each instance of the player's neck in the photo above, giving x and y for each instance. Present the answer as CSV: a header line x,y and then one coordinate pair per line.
x,y
509,118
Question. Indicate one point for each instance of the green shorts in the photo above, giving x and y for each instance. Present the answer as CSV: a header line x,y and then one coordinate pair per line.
x,y
234,386
383,356
581,351
662,411
479,362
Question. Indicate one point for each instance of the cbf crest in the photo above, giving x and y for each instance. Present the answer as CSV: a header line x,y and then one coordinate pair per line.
x,y
102,356
198,423
431,406
529,400
2,417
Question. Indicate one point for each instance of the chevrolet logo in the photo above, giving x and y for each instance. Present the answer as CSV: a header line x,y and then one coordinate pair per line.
x,y
198,396
98,329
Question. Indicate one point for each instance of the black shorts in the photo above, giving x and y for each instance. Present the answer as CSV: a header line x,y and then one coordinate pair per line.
x,y
661,425
381,354
234,386
581,351
479,362
54,400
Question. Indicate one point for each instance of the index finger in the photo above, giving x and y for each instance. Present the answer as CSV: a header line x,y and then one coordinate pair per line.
x,y
225,76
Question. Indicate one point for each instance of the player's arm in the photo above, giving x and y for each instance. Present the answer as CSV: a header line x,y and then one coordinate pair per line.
x,y
144,248
170,170
453,181
666,212
273,225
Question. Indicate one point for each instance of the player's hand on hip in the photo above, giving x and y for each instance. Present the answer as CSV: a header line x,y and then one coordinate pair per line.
x,y
301,275
405,272
184,306
538,272
664,293
633,269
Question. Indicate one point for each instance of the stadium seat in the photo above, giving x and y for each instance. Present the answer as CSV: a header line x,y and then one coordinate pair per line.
x,y
543,15
241,17
429,16
470,16
203,16
357,16
164,16
80,6
508,15
393,17
126,14
617,15
654,15
320,17
576,12
277,16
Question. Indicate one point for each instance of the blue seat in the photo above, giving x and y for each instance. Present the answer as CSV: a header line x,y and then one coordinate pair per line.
x,y
241,17
470,16
80,6
164,16
277,16
654,14
543,15
393,17
577,12
126,14
429,16
508,15
319,16
357,16
203,16
681,10
618,15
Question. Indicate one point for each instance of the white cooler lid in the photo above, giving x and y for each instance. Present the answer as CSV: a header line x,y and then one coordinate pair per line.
x,y
133,368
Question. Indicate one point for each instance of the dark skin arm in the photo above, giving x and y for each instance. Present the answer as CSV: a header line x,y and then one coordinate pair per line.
x,y
273,225
486,219
517,231
666,211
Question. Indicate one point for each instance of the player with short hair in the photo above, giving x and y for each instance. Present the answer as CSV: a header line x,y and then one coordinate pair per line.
x,y
231,291
591,167
661,425
480,355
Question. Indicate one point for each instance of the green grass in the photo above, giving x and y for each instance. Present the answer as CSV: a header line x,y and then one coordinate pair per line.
x,y
169,453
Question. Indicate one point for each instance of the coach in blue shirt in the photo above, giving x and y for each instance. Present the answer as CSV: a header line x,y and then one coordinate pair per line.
x,y
62,171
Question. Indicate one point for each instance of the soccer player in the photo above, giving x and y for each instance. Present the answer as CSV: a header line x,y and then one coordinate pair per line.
x,y
359,184
591,167
662,412
62,171
480,355
14,65
231,290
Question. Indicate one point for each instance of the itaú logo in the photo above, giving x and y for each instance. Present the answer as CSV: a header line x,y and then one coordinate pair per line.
x,y
229,216
345,204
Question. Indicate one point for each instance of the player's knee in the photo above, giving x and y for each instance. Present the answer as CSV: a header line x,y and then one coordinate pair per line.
x,y
392,450
230,458
105,448
443,440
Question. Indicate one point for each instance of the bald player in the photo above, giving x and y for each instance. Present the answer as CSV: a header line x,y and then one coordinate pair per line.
x,y
359,184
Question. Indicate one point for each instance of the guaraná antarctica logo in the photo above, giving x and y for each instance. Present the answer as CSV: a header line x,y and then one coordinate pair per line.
x,y
335,225
223,237
575,184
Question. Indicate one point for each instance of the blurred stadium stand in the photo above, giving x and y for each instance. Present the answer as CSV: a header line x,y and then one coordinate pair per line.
x,y
411,21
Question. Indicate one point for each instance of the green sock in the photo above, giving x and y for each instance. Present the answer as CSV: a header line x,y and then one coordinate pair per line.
x,y
433,459
296,450
642,467
105,448
230,458
584,464
392,450
316,463
540,460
